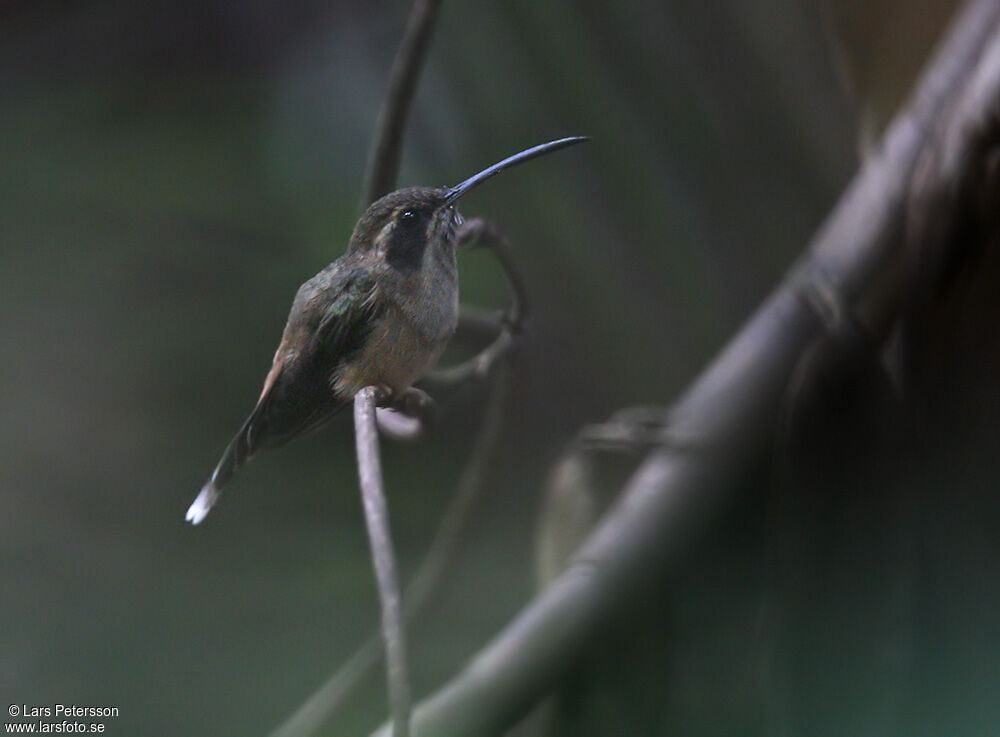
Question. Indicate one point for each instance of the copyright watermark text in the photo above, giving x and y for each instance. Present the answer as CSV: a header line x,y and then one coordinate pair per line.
x,y
58,719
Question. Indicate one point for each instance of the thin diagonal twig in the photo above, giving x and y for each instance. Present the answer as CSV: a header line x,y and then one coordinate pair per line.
x,y
509,323
383,160
447,539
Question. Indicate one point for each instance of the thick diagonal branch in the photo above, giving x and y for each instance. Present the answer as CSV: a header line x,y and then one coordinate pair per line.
x,y
854,268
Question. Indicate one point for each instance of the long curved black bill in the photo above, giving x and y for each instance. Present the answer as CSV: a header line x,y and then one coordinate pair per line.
x,y
459,190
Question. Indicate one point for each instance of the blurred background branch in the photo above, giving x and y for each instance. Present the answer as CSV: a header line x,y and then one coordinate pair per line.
x,y
854,262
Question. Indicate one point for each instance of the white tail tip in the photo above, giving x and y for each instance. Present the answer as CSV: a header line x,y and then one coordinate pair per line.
x,y
204,502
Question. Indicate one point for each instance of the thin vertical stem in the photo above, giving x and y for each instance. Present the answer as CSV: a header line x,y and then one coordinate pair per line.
x,y
377,521
426,582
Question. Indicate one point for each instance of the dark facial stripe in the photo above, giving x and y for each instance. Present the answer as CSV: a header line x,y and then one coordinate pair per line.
x,y
408,240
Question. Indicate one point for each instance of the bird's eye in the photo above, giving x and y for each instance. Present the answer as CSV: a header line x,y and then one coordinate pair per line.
x,y
409,218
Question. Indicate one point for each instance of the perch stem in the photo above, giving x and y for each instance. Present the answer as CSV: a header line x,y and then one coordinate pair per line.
x,y
383,556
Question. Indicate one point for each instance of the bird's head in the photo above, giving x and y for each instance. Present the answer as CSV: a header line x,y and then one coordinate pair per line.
x,y
404,225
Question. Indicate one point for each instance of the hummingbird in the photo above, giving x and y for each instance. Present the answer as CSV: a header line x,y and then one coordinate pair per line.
x,y
380,315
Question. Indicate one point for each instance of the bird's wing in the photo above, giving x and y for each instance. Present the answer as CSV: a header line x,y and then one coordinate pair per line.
x,y
329,322
350,309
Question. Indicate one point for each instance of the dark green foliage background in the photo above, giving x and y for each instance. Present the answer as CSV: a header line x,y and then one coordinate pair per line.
x,y
171,171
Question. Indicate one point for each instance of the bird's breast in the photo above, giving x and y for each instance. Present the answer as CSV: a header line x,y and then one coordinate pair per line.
x,y
396,354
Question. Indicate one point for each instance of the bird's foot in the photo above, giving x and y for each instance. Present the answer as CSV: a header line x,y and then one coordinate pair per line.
x,y
418,404
408,415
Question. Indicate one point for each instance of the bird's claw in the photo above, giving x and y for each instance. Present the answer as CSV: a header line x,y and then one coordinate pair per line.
x,y
417,403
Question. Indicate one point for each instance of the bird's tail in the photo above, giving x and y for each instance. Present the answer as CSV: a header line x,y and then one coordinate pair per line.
x,y
237,453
